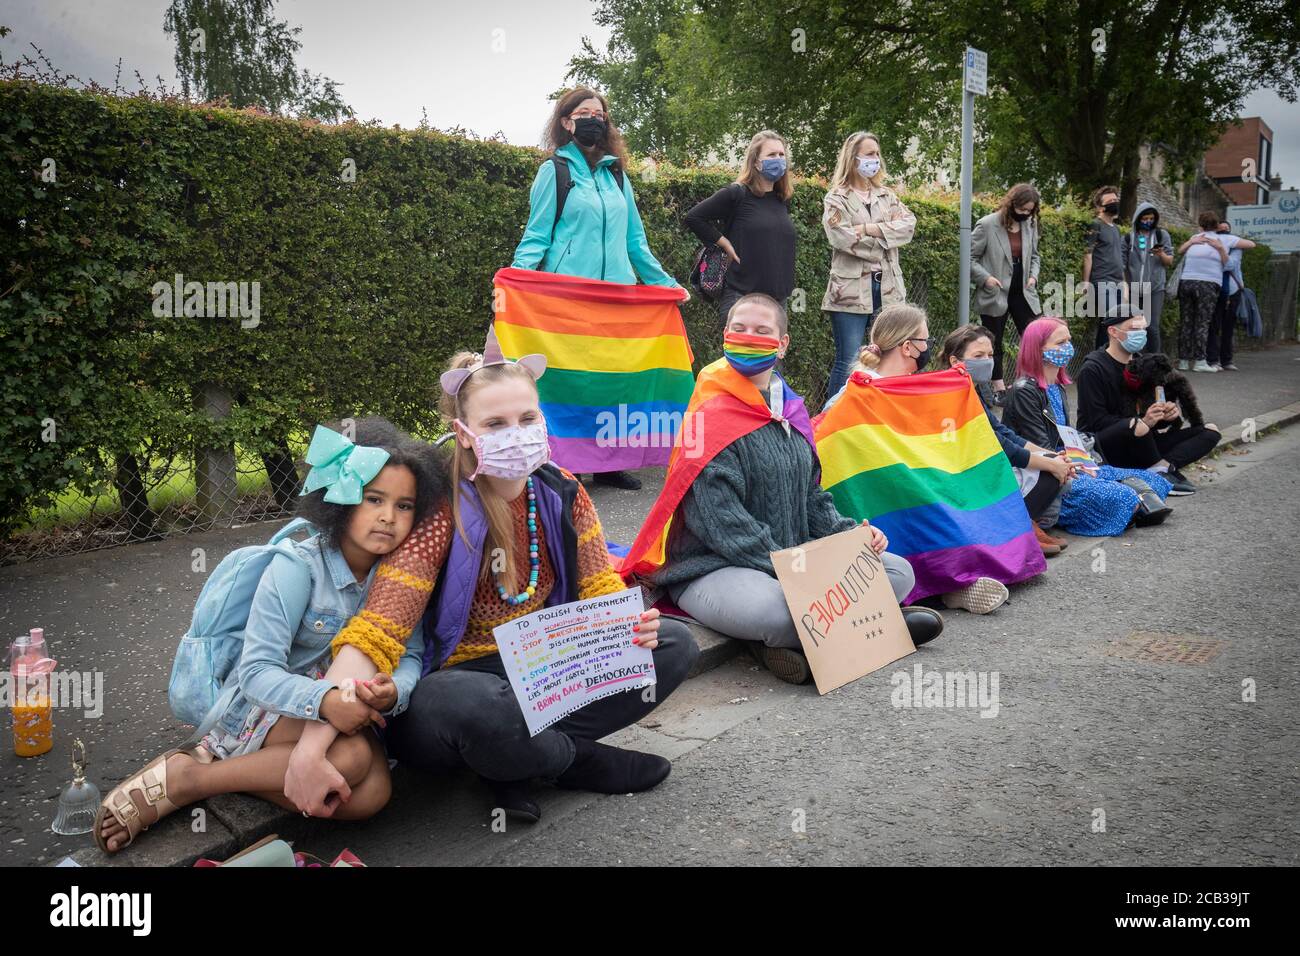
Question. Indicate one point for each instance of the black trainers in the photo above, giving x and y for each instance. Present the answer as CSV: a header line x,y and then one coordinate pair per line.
x,y
1178,483
617,479
601,768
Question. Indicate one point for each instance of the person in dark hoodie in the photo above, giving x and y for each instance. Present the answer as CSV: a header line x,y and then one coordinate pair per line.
x,y
1156,440
1147,252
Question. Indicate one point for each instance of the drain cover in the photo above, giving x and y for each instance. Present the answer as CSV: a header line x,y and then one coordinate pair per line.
x,y
1166,648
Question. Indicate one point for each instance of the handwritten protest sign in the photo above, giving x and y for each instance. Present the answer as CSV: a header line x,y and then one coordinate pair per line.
x,y
1075,453
561,658
843,607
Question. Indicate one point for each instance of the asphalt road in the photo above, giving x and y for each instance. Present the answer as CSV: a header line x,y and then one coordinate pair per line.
x,y
1090,758
1183,769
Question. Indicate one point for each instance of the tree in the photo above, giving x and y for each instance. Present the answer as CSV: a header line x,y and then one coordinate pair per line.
x,y
1075,86
236,49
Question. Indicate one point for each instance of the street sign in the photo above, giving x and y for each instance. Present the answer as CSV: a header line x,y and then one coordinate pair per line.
x,y
1277,224
977,72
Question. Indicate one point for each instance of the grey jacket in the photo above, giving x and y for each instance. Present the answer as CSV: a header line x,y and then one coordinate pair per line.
x,y
1141,265
990,255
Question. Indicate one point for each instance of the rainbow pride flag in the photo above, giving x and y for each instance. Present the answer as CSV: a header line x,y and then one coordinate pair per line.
x,y
724,406
916,455
618,364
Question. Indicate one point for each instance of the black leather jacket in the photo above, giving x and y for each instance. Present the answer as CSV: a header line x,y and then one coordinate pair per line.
x,y
1027,412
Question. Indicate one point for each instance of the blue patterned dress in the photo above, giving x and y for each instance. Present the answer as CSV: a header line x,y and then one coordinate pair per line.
x,y
1100,506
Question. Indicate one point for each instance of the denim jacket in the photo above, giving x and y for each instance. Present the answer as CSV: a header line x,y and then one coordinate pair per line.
x,y
296,612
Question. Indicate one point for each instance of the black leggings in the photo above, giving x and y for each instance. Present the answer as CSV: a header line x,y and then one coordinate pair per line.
x,y
1020,313
468,715
1178,446
1042,494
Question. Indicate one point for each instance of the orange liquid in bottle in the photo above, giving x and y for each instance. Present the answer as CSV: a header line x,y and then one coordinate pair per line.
x,y
33,727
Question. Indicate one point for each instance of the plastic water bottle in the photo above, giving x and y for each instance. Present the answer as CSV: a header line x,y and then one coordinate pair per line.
x,y
33,715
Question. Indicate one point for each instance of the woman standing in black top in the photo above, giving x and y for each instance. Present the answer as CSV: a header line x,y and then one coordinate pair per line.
x,y
755,211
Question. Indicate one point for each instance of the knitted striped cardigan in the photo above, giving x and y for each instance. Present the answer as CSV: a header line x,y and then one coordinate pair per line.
x,y
405,579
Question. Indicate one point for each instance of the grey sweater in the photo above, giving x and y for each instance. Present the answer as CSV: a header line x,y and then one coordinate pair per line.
x,y
761,493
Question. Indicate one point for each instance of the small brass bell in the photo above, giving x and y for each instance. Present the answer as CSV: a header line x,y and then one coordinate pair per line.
x,y
78,804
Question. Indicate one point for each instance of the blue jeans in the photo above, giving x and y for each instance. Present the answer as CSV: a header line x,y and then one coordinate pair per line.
x,y
850,330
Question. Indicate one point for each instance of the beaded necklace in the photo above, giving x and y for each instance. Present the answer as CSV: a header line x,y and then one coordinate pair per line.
x,y
533,558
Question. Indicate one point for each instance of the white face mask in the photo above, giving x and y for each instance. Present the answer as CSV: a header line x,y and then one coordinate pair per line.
x,y
510,453
868,167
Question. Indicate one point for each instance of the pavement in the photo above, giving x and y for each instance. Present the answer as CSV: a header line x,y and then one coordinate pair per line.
x,y
1167,756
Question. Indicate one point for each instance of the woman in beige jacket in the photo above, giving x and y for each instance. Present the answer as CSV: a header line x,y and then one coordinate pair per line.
x,y
865,223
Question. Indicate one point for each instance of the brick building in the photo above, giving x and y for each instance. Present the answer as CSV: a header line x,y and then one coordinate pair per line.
x,y
1242,162
1236,171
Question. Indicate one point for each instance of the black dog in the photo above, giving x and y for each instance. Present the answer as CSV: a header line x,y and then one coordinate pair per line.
x,y
1153,368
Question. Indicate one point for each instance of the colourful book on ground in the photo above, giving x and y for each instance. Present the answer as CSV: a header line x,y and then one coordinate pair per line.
x,y
618,364
916,455
724,406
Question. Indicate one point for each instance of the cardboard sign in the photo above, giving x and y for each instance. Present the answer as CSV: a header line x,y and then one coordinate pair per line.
x,y
843,607
561,658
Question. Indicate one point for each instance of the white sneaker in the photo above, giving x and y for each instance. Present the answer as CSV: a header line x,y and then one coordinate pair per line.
x,y
983,596
1203,366
1216,367
1230,367
1184,365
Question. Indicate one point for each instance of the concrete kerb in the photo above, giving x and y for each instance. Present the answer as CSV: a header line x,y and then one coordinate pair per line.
x,y
233,821
1278,418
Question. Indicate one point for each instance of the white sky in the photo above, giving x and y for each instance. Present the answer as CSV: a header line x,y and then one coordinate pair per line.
x,y
392,57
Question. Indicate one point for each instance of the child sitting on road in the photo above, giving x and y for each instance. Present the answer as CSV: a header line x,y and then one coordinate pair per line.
x,y
364,498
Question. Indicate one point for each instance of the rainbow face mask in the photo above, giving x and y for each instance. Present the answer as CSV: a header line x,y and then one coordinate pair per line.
x,y
750,354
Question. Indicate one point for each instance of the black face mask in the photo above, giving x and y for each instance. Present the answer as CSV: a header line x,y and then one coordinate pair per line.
x,y
923,359
589,131
1019,216
1146,224
1111,208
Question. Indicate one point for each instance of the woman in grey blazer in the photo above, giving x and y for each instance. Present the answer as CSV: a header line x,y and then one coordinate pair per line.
x,y
1004,265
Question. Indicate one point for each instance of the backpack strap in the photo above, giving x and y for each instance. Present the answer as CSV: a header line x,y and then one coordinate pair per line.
x,y
563,185
293,527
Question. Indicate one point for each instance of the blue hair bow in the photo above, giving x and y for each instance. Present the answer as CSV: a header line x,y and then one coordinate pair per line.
x,y
341,466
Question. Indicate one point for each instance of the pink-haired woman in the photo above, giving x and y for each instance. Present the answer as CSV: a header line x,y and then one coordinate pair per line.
x,y
1036,404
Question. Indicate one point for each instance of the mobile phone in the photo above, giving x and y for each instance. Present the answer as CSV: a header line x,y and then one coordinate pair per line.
x,y
1160,393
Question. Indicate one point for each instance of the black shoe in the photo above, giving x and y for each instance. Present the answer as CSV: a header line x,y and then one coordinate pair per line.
x,y
601,768
786,663
1151,510
514,798
1178,483
923,623
617,479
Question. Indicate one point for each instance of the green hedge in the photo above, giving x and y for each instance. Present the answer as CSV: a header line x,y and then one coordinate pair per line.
x,y
366,287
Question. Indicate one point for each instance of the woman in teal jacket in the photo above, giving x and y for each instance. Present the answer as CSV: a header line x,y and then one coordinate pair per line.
x,y
598,234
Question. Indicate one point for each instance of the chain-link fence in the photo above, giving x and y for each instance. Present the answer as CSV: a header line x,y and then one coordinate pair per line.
x,y
150,496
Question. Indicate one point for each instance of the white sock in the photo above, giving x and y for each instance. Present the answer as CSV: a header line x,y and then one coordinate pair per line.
x,y
1160,469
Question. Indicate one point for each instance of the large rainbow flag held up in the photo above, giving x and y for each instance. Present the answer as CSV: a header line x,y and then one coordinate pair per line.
x,y
916,455
618,364
724,406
